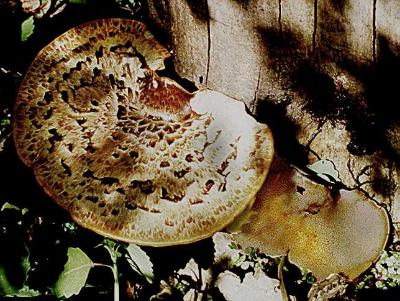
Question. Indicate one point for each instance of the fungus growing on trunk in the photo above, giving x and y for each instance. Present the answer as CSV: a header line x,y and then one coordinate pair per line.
x,y
324,231
132,155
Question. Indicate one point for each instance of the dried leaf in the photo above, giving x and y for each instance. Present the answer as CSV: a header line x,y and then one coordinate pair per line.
x,y
41,8
199,276
223,251
331,288
30,6
164,293
255,286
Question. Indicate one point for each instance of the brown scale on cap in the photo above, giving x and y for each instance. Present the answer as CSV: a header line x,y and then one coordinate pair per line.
x,y
129,154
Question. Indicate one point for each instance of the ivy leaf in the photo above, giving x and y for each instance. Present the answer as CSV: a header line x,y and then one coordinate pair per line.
x,y
140,262
27,28
74,275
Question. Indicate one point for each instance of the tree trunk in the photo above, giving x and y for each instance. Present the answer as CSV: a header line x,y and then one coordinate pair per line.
x,y
317,71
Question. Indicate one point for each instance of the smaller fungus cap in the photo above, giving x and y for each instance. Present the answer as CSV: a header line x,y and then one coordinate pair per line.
x,y
323,233
130,154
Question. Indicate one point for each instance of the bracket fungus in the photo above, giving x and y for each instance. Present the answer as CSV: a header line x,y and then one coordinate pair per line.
x,y
132,155
323,231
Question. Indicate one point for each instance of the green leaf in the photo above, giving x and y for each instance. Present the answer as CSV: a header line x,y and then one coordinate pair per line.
x,y
74,275
26,266
5,122
21,266
112,248
25,292
7,205
27,28
140,262
78,1
5,287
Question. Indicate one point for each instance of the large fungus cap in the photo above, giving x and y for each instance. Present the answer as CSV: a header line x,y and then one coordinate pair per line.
x,y
129,154
342,233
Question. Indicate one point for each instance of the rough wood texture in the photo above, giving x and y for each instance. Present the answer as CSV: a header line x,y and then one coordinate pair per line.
x,y
345,29
183,41
298,17
233,50
318,71
387,21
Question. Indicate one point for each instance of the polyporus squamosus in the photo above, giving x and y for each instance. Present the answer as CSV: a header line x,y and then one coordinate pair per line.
x,y
323,230
129,154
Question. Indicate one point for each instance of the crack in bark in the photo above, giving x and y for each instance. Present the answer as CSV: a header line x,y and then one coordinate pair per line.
x,y
391,167
208,45
313,137
374,32
359,185
280,16
253,104
314,36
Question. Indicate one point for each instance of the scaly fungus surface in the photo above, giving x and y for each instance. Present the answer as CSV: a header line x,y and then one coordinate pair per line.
x,y
132,155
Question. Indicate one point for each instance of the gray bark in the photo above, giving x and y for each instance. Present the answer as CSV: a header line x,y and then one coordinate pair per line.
x,y
312,69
